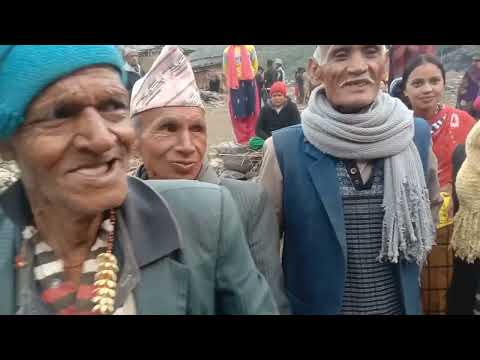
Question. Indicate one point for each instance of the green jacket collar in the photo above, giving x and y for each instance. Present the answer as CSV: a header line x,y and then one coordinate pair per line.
x,y
142,210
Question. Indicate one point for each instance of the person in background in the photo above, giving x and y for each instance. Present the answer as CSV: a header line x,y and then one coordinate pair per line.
x,y
260,79
172,141
279,112
214,82
300,85
469,89
464,291
423,89
355,187
271,75
240,66
278,63
307,86
132,68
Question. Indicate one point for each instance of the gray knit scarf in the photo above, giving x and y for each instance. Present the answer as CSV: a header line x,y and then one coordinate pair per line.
x,y
385,131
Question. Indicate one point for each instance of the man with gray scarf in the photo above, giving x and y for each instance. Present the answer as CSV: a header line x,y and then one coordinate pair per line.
x,y
356,191
169,118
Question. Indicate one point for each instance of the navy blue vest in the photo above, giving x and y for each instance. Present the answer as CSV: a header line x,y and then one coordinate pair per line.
x,y
314,252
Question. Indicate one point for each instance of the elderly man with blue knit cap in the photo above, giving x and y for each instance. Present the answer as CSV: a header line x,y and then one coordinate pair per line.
x,y
79,237
355,186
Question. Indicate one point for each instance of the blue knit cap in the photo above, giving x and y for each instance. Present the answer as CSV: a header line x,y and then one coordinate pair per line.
x,y
26,70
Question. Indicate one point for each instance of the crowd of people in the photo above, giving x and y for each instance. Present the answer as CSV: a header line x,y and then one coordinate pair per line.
x,y
342,219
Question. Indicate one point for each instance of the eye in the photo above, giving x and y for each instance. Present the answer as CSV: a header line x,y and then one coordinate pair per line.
x,y
112,105
168,127
65,111
372,50
417,83
197,128
340,54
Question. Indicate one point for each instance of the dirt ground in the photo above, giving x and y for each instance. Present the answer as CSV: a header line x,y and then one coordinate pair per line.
x,y
219,126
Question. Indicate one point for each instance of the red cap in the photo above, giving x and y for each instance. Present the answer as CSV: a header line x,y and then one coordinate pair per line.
x,y
279,87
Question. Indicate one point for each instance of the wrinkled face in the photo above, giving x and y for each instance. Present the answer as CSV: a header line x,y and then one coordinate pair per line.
x,y
172,142
278,99
351,75
424,87
73,147
132,59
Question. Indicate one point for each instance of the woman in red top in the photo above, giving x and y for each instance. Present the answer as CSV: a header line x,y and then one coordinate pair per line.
x,y
424,85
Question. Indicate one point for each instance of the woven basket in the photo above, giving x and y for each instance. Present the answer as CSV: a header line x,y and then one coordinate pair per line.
x,y
437,274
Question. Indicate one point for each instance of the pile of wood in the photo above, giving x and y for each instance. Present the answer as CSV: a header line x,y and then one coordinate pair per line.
x,y
234,161
212,99
9,173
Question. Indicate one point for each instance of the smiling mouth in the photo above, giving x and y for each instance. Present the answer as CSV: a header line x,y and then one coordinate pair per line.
x,y
95,170
185,164
360,82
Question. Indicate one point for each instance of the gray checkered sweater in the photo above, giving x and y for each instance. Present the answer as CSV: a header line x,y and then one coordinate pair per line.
x,y
371,287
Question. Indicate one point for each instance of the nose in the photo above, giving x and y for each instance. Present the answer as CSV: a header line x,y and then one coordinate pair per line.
x,y
93,133
357,64
427,87
185,144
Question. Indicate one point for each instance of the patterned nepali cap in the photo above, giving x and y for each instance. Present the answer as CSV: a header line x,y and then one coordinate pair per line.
x,y
170,82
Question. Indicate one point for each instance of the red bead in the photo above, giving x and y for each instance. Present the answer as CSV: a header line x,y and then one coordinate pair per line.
x,y
20,262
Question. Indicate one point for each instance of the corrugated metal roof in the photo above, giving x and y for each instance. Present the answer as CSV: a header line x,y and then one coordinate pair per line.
x,y
156,48
206,61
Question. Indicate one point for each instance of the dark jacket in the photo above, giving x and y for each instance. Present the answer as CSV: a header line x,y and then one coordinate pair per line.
x,y
315,249
269,120
466,277
270,77
181,247
132,78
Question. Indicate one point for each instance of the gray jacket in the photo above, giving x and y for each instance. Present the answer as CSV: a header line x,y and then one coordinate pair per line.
x,y
261,228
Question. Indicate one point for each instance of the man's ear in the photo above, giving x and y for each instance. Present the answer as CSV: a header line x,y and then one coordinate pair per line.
x,y
6,151
315,72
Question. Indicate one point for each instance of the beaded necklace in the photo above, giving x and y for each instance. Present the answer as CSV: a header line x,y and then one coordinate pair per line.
x,y
105,280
